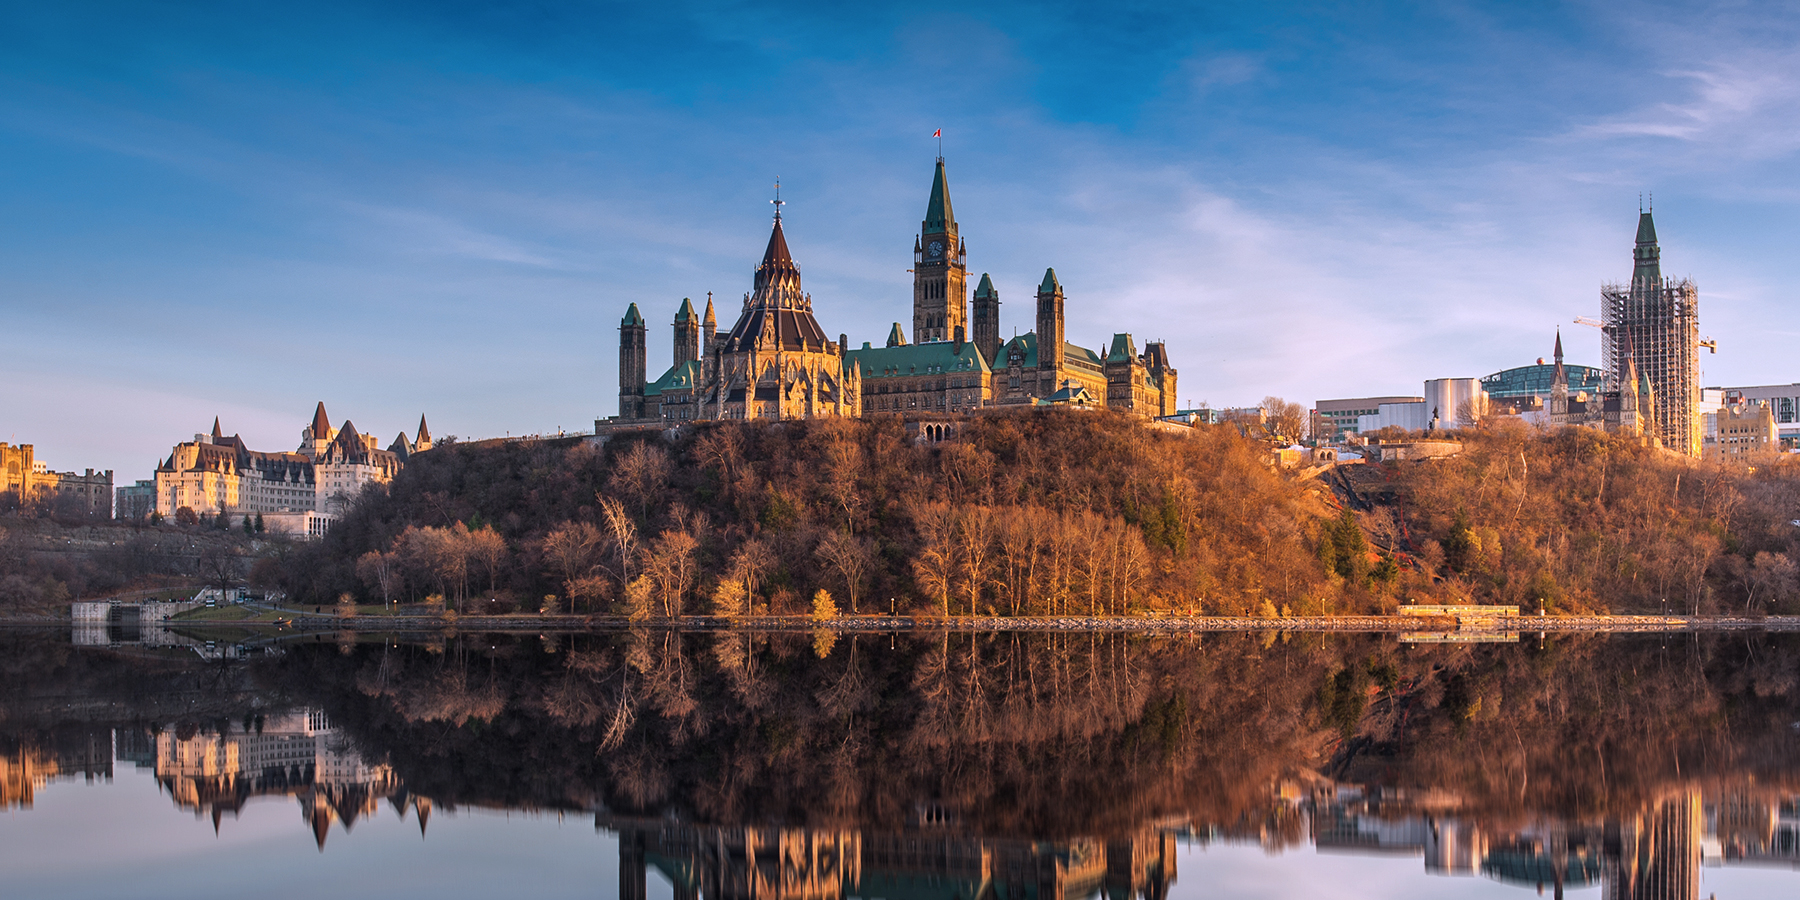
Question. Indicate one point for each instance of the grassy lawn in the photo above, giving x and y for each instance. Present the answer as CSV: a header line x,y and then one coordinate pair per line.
x,y
225,614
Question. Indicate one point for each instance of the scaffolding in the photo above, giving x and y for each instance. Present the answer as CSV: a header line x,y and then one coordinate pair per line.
x,y
1657,322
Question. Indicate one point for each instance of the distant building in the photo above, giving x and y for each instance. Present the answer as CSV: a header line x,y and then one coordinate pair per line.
x,y
31,481
1333,419
1409,415
1628,409
1653,325
777,362
135,502
297,492
1744,431
1783,401
1510,386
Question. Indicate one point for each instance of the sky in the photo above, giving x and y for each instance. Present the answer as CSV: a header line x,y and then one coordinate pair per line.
x,y
443,208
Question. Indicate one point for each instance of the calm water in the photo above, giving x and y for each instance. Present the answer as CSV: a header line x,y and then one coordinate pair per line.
x,y
159,764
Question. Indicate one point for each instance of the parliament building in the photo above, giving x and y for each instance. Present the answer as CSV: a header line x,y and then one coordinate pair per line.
x,y
776,361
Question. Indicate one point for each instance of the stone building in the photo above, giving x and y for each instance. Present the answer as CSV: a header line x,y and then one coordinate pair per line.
x,y
777,363
1744,431
30,481
774,363
937,374
218,474
1629,408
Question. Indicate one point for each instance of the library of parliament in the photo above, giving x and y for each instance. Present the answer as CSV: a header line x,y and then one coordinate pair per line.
x,y
777,363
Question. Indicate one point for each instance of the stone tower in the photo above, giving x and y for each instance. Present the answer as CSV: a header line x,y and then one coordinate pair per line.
x,y
633,362
940,270
1050,329
985,331
687,334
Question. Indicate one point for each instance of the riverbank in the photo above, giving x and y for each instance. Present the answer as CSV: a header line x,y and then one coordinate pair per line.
x,y
1394,624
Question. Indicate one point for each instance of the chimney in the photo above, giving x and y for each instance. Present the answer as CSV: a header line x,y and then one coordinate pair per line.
x,y
957,341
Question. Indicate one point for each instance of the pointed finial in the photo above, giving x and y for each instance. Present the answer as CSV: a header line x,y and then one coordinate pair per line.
x,y
777,201
1640,203
1653,201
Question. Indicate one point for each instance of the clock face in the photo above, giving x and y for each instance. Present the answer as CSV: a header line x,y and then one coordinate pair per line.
x,y
937,249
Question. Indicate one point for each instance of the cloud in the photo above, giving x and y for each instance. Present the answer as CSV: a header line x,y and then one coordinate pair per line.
x,y
1749,109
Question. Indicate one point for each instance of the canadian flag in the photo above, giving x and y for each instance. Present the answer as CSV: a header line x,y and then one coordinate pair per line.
x,y
938,133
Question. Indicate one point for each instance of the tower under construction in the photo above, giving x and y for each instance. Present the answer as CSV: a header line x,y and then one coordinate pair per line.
x,y
1653,324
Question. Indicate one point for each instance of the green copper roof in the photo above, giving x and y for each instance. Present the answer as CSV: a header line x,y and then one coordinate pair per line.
x,y
1050,285
1028,343
1646,229
632,316
680,378
686,312
896,337
1123,349
985,288
937,357
938,216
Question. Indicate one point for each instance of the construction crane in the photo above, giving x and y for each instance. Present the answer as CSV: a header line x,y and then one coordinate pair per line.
x,y
1712,346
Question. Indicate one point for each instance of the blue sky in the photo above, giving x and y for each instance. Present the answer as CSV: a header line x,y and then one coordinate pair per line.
x,y
239,210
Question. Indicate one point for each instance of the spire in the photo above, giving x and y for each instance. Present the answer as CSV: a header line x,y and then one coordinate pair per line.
x,y
939,219
424,432
217,432
1647,255
777,264
686,312
896,337
710,320
1050,285
985,288
1559,376
321,425
632,316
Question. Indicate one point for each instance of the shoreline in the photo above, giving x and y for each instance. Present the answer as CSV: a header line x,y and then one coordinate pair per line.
x,y
1424,625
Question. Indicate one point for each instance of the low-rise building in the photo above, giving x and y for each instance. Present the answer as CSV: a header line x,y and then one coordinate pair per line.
x,y
135,502
1743,431
1333,419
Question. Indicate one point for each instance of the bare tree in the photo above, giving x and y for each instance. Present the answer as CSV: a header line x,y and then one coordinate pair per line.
x,y
850,558
640,474
571,549
1283,419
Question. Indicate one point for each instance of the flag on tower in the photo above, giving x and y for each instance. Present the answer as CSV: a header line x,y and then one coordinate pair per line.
x,y
938,133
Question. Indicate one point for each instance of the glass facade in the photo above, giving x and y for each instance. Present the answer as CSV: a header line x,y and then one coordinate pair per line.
x,y
1526,381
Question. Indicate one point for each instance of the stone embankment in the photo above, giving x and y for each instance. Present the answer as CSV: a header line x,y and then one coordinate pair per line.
x,y
1395,624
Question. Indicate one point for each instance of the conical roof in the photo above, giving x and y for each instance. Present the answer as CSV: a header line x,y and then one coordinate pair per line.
x,y
217,433
1646,228
938,216
632,317
709,308
424,432
896,337
985,288
686,312
1050,285
321,424
776,261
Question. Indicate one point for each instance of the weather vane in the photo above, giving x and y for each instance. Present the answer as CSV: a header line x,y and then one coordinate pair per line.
x,y
777,201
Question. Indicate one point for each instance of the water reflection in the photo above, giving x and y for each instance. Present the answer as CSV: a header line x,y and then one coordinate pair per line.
x,y
968,766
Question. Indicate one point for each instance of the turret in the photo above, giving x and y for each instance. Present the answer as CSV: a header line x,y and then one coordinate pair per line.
x,y
687,334
423,442
1050,325
896,337
633,362
985,330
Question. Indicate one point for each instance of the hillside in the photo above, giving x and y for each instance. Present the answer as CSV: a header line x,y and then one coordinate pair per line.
x,y
1048,513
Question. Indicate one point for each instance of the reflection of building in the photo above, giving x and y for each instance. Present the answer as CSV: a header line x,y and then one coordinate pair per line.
x,y
738,863
1655,855
29,766
295,754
